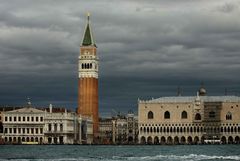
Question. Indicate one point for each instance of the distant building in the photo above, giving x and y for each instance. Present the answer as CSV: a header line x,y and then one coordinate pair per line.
x,y
125,129
189,120
24,125
29,125
1,127
119,130
105,131
132,128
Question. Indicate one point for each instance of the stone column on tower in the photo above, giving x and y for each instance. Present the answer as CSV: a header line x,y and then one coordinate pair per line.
x,y
88,78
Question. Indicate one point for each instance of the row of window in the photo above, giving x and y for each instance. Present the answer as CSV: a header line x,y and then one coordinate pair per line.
x,y
23,130
87,66
167,115
19,118
198,124
184,115
23,139
188,129
55,127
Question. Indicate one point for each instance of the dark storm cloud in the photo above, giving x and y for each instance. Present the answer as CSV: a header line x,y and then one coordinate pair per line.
x,y
146,49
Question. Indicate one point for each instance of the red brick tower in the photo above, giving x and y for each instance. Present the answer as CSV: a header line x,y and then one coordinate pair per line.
x,y
88,78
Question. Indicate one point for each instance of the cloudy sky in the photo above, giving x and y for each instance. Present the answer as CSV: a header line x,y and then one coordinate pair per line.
x,y
146,49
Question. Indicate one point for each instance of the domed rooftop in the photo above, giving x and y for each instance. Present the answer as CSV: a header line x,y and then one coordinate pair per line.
x,y
202,91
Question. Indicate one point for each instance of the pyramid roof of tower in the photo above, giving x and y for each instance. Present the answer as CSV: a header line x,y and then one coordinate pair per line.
x,y
88,37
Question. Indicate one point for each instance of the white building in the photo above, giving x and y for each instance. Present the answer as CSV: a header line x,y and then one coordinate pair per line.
x,y
29,125
25,125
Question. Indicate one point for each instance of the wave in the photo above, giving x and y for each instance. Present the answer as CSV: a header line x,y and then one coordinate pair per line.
x,y
190,157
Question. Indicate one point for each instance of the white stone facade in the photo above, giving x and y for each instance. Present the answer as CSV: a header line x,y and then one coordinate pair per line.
x,y
33,126
24,126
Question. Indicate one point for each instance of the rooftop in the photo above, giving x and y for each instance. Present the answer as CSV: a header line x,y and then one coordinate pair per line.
x,y
186,99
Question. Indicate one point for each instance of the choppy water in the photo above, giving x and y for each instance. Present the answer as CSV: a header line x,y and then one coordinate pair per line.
x,y
116,153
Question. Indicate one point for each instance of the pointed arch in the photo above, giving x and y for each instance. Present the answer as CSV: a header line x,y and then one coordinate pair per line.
x,y
176,140
229,116
189,139
184,115
156,140
183,140
149,140
167,115
224,140
169,140
150,115
143,140
163,140
197,116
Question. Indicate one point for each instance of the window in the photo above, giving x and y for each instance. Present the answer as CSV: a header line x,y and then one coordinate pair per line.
x,y
10,118
19,118
32,130
150,115
184,115
28,119
41,130
41,118
6,130
36,119
197,116
28,130
19,130
167,115
6,119
61,127
15,118
10,130
23,130
23,118
55,127
36,131
49,127
32,119
14,130
211,114
229,116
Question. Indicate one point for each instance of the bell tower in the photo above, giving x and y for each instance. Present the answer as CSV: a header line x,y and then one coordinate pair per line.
x,y
88,78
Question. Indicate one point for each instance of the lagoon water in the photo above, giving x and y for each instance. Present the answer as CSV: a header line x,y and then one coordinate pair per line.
x,y
115,153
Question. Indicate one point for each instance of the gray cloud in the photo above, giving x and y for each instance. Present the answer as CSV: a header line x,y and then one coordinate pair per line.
x,y
146,49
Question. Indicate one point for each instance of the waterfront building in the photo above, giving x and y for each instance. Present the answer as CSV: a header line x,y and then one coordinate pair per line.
x,y
59,126
125,129
132,128
121,129
189,120
105,131
24,125
29,125
88,78
1,127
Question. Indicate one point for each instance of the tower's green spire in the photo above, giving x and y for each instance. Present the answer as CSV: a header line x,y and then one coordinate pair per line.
x,y
87,37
